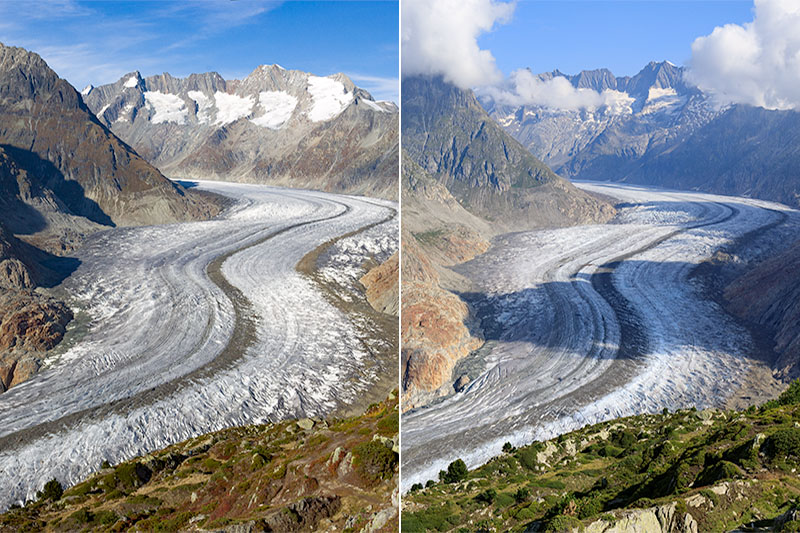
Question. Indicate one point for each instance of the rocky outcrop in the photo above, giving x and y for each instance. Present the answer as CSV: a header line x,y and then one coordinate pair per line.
x,y
31,325
661,519
277,126
433,330
383,286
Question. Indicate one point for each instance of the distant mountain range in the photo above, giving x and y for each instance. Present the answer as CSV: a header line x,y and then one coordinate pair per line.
x,y
276,126
661,131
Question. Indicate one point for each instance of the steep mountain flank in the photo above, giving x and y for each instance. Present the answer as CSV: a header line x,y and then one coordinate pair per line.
x,y
72,158
769,295
744,151
449,135
277,126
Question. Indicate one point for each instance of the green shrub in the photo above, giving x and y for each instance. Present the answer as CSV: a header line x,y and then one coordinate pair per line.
x,y
390,424
430,483
415,487
81,516
508,448
782,444
522,494
504,499
52,490
487,496
563,523
717,472
527,456
374,461
456,471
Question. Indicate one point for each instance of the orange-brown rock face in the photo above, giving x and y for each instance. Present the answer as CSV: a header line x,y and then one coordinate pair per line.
x,y
30,325
432,326
383,286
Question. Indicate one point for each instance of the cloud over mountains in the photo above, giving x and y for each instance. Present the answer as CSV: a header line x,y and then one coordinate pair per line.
x,y
440,37
757,63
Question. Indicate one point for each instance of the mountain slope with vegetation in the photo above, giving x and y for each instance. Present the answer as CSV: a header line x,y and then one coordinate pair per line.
x,y
686,471
296,475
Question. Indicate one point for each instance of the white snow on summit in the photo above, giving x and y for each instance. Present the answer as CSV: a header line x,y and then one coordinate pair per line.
x,y
86,90
131,82
329,98
278,107
231,107
167,107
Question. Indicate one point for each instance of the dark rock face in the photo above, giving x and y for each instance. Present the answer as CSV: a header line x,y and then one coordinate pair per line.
x,y
267,128
451,137
73,160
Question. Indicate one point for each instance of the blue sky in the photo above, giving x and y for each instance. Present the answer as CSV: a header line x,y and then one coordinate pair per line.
x,y
99,41
621,35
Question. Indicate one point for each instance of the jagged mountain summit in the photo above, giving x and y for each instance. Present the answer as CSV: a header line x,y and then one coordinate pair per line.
x,y
639,114
276,126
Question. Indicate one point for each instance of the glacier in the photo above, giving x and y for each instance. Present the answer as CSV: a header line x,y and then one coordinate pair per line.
x,y
159,353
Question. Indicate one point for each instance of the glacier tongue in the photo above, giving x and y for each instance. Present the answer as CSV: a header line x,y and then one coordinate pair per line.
x,y
160,359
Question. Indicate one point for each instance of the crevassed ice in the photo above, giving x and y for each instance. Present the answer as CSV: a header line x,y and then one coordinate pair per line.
x,y
232,107
204,106
167,107
278,107
329,98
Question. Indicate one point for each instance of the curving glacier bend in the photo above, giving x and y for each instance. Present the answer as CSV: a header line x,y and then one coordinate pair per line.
x,y
161,353
590,323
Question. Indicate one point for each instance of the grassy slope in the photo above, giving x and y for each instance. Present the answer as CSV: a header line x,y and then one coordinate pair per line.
x,y
724,468
277,477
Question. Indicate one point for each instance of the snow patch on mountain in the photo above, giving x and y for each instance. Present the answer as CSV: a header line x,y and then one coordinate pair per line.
x,y
131,82
374,106
329,96
167,107
86,90
278,107
205,106
232,107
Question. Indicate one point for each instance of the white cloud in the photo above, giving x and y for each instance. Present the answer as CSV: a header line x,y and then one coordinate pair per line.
x,y
757,63
440,37
525,88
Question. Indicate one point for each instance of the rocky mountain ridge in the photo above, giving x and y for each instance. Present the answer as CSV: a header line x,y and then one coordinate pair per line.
x,y
656,128
640,114
277,126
